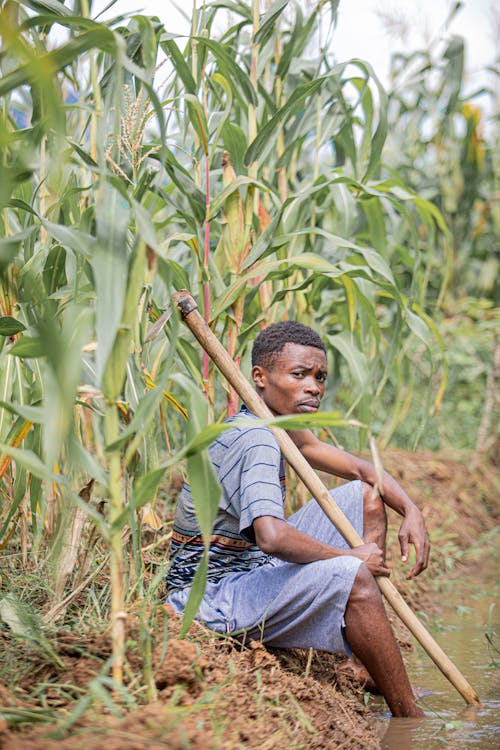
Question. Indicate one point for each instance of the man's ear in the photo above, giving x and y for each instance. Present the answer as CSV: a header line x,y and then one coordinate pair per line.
x,y
259,376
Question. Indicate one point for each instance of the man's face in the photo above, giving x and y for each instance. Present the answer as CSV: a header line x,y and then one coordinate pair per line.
x,y
295,384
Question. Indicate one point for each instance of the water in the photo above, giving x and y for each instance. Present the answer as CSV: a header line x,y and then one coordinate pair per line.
x,y
468,614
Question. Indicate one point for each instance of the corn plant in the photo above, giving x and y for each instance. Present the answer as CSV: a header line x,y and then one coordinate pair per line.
x,y
246,167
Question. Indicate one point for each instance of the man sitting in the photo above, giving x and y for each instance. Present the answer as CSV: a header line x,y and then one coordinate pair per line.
x,y
295,582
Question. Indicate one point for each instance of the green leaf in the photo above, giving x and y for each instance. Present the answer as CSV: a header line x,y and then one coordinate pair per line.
x,y
356,360
144,225
205,490
29,413
59,58
146,486
10,326
10,245
110,267
181,67
268,22
54,7
30,461
299,38
71,238
230,69
84,156
144,413
218,203
372,258
376,142
225,115
195,595
235,142
418,327
172,274
292,106
28,347
305,261
86,462
311,421
198,120
14,716
376,223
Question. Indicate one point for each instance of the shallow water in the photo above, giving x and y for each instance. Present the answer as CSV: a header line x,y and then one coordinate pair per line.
x,y
468,614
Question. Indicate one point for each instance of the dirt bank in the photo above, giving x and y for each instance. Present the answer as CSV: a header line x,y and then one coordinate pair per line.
x,y
208,693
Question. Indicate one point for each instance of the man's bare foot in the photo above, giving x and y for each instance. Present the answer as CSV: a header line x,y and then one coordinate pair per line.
x,y
357,670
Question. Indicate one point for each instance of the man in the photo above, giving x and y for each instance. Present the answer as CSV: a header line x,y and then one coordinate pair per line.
x,y
295,582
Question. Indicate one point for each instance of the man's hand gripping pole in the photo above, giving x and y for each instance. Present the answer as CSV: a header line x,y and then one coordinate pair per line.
x,y
189,312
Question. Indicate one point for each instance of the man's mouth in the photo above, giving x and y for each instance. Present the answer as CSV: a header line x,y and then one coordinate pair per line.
x,y
312,405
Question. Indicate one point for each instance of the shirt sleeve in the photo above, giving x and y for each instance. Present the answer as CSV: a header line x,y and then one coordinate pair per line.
x,y
251,478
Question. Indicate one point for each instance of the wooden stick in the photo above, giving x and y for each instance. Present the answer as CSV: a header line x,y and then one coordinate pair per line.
x,y
188,309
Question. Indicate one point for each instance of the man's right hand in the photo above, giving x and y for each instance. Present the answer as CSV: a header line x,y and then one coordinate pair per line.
x,y
373,558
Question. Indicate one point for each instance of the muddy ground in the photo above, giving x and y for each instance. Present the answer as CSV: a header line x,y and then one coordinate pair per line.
x,y
208,693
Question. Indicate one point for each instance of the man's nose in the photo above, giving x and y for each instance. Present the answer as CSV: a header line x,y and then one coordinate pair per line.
x,y
312,386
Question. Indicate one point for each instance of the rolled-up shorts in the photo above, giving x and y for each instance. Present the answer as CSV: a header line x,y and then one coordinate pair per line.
x,y
289,605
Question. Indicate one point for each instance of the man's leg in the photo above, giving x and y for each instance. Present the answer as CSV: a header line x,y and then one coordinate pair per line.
x,y
368,631
374,530
370,636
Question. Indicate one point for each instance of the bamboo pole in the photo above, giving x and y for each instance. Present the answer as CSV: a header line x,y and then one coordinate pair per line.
x,y
188,309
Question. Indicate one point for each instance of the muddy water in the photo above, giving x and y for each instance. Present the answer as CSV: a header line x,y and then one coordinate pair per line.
x,y
468,614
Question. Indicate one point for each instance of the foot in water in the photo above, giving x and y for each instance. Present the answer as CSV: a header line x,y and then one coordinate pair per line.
x,y
355,669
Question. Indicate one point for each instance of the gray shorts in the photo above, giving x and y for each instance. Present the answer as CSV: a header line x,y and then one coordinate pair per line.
x,y
290,605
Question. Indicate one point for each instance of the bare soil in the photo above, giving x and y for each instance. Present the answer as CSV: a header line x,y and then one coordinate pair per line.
x,y
210,693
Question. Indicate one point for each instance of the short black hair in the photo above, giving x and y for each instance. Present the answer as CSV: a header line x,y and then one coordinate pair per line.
x,y
272,340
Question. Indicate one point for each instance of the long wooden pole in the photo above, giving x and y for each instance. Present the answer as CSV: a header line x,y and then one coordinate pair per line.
x,y
188,309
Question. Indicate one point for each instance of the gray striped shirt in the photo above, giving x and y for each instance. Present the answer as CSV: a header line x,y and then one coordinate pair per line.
x,y
251,471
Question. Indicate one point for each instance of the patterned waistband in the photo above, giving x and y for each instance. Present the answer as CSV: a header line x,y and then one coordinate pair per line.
x,y
216,540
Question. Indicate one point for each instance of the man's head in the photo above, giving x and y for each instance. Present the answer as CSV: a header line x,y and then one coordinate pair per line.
x,y
271,341
289,367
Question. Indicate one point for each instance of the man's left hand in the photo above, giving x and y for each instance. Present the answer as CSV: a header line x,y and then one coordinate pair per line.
x,y
413,531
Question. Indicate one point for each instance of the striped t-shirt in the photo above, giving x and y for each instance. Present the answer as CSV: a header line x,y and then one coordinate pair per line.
x,y
251,471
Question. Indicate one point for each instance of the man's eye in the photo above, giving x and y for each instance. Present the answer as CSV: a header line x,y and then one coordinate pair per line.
x,y
322,377
298,374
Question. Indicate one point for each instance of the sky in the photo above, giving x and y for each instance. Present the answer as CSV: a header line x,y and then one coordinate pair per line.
x,y
361,31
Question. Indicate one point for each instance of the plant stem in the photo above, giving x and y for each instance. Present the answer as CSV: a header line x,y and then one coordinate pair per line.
x,y
118,614
206,290
96,91
252,112
318,119
278,87
7,384
194,72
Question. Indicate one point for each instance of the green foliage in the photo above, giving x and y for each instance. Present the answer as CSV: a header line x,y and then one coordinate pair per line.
x,y
265,176
24,623
447,151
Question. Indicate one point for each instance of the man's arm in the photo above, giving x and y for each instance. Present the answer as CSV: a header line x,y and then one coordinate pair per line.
x,y
278,538
325,457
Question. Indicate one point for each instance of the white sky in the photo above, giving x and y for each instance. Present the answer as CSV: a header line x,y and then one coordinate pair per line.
x,y
361,31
